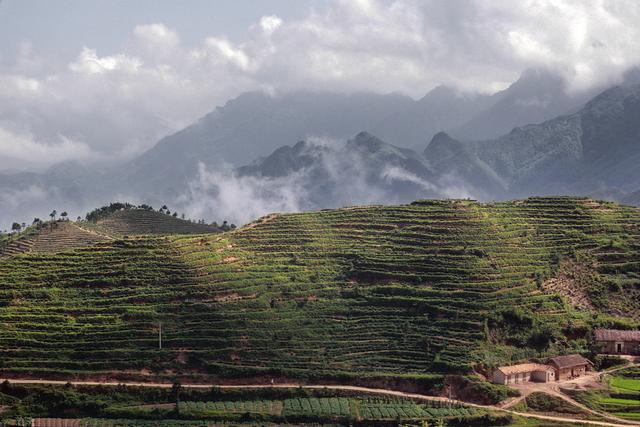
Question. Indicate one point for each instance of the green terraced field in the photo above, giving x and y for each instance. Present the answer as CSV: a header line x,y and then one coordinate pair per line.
x,y
412,291
620,398
632,384
137,221
327,407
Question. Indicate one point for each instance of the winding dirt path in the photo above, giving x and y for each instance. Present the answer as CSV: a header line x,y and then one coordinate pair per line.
x,y
386,392
555,389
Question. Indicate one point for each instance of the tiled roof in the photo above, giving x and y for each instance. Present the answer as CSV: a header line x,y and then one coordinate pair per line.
x,y
524,367
569,361
616,335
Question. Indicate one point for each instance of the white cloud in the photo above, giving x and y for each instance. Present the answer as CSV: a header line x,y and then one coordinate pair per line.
x,y
121,103
89,62
157,34
20,149
270,23
220,48
220,194
17,85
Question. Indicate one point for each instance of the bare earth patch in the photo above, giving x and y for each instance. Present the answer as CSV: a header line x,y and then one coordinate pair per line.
x,y
568,283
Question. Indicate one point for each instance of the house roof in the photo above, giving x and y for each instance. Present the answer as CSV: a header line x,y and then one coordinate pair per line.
x,y
569,361
524,367
617,335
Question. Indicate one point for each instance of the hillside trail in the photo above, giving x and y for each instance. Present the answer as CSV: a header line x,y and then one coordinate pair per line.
x,y
92,231
367,390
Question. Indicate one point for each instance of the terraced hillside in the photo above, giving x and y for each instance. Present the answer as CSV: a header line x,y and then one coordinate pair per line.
x,y
405,291
136,221
52,237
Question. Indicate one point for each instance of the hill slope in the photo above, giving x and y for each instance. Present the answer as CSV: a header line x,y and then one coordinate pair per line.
x,y
430,287
137,221
59,236
52,237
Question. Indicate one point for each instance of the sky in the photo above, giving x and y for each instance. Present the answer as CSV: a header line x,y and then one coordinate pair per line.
x,y
102,81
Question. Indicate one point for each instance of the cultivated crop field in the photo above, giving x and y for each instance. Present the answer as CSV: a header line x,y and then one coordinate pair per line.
x,y
137,221
69,406
414,292
621,398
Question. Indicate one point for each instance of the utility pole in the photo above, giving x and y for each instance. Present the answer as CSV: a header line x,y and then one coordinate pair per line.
x,y
160,335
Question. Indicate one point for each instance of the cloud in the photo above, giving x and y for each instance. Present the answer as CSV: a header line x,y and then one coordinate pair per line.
x,y
330,174
14,198
24,150
270,23
157,34
120,103
221,194
88,62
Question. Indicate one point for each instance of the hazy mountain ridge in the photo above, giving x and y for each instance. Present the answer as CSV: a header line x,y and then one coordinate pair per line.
x,y
593,151
538,95
255,124
364,169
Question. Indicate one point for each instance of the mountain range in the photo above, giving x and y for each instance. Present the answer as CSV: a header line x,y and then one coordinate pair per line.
x,y
582,144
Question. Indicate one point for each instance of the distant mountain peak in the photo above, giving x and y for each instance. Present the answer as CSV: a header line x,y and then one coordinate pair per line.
x,y
365,140
442,143
441,138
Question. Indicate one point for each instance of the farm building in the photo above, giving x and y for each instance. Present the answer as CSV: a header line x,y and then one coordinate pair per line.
x,y
570,366
618,342
525,372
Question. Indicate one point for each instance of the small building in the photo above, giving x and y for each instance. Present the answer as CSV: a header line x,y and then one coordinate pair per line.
x,y
570,366
618,342
522,373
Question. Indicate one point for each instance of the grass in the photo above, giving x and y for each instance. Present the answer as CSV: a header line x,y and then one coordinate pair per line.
x,y
631,384
545,403
386,296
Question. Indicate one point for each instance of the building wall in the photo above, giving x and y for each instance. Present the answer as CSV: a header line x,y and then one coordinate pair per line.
x,y
568,373
543,376
539,376
563,374
628,347
579,371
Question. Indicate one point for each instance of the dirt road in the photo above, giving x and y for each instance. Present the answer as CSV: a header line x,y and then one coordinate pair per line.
x,y
367,390
589,380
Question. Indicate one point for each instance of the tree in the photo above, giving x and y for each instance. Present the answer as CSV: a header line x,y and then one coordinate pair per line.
x,y
64,215
16,227
175,214
163,208
36,221
53,214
